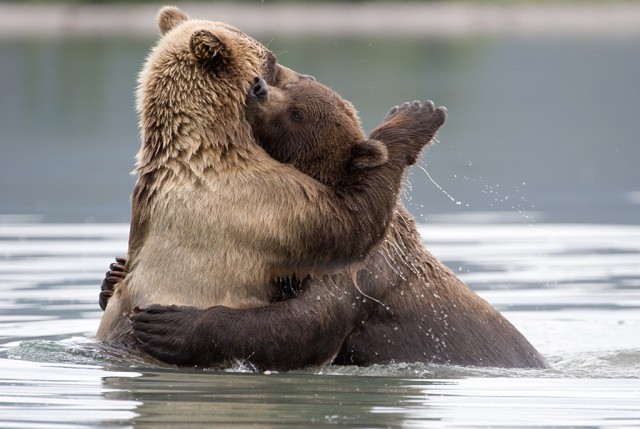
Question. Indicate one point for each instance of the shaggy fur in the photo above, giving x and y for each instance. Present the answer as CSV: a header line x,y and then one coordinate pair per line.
x,y
404,305
214,218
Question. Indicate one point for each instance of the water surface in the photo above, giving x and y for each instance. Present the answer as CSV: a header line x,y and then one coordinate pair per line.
x,y
573,290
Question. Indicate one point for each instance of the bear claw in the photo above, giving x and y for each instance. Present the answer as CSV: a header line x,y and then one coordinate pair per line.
x,y
428,106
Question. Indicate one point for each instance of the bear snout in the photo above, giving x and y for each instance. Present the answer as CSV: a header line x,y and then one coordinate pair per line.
x,y
260,89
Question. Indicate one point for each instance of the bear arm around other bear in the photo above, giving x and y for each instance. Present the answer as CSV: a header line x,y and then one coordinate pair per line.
x,y
321,316
188,336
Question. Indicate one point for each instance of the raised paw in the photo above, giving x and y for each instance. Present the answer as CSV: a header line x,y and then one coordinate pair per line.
x,y
412,124
418,114
116,274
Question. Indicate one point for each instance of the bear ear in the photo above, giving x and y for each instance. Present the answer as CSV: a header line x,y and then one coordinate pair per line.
x,y
169,17
367,154
205,45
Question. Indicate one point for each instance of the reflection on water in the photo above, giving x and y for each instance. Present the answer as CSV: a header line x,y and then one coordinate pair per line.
x,y
49,395
535,125
55,395
574,290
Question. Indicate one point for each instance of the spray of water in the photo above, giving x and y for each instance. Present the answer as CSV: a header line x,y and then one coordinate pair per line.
x,y
438,186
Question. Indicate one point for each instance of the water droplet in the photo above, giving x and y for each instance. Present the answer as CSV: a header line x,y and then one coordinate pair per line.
x,y
438,186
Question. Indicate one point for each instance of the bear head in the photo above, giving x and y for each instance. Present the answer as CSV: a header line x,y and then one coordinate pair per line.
x,y
311,127
193,85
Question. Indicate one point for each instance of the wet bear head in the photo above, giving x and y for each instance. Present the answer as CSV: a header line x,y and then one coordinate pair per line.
x,y
311,127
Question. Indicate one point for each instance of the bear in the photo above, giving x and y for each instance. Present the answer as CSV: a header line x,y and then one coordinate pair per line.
x,y
403,305
203,231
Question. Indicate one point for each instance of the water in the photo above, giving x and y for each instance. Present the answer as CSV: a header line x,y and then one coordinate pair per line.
x,y
573,290
546,126
532,196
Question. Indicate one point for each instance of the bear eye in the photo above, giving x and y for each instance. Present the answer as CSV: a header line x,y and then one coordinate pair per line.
x,y
296,115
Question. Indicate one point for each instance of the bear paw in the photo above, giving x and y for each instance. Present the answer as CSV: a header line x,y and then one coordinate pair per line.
x,y
117,272
409,111
415,124
170,334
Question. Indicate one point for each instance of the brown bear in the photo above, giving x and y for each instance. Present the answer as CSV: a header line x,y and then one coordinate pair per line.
x,y
402,306
215,219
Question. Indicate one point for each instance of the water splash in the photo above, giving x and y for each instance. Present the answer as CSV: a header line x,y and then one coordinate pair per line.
x,y
603,365
457,202
78,351
599,365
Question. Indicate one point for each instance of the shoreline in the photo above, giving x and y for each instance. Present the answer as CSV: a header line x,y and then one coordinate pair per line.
x,y
320,19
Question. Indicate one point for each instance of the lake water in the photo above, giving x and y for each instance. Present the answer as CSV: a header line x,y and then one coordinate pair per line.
x,y
574,291
532,196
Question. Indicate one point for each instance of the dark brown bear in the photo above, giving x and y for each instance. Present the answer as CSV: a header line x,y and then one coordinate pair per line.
x,y
402,305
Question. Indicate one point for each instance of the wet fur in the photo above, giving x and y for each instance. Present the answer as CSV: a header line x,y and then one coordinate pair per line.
x,y
402,305
204,232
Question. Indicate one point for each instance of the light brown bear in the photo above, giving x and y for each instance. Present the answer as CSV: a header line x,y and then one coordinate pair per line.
x,y
405,305
215,219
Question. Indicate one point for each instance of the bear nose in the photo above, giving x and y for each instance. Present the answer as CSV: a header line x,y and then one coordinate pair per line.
x,y
260,90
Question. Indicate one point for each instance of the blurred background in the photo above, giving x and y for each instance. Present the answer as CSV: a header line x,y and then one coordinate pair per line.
x,y
543,100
